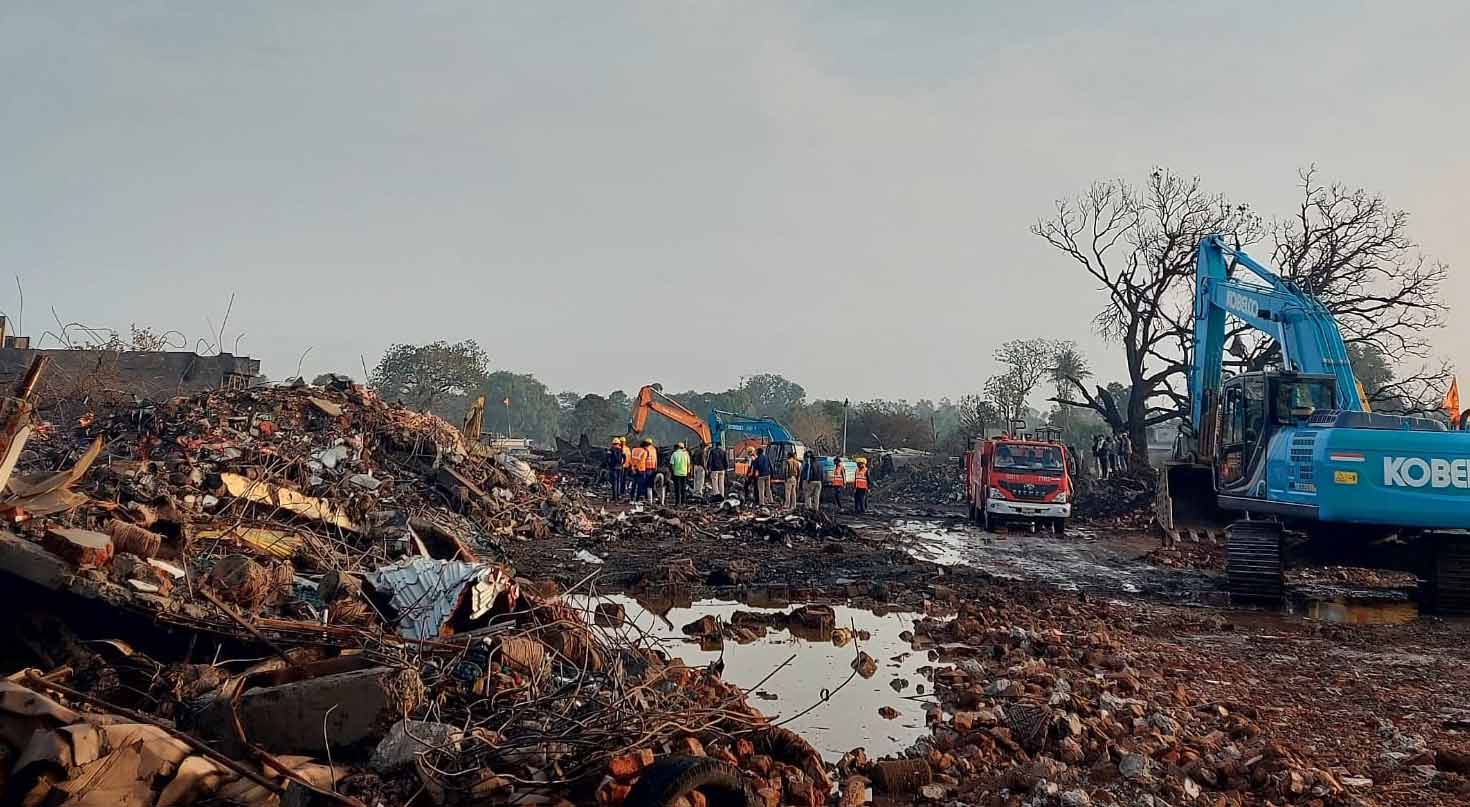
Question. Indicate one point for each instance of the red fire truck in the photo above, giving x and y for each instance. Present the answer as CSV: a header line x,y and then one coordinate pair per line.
x,y
1014,480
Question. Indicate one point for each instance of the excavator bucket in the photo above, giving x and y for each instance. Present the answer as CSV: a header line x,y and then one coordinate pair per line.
x,y
1186,499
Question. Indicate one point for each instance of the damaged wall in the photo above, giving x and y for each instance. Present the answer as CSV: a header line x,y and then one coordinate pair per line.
x,y
152,375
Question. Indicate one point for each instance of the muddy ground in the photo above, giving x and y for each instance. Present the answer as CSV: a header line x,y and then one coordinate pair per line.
x,y
1380,706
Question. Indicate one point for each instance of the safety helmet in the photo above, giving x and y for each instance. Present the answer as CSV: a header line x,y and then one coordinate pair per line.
x,y
648,441
679,444
862,460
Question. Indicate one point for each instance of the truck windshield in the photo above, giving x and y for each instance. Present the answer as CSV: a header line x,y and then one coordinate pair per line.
x,y
1028,459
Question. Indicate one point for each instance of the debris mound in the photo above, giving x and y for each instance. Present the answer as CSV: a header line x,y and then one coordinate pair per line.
x,y
298,594
1123,499
933,482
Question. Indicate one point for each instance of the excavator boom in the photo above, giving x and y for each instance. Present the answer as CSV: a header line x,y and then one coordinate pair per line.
x,y
651,400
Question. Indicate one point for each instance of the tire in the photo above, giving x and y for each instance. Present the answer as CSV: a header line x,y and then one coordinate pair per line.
x,y
1059,526
989,522
664,781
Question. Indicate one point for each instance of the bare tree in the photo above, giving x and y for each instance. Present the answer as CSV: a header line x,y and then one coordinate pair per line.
x,y
1138,244
1351,250
1030,361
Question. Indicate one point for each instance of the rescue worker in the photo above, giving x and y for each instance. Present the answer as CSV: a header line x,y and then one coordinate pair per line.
x,y
860,487
614,461
650,467
640,465
658,488
627,489
839,480
762,470
811,483
679,463
792,481
696,474
1125,451
719,463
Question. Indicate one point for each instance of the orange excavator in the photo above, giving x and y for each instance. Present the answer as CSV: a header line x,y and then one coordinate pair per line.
x,y
651,399
757,432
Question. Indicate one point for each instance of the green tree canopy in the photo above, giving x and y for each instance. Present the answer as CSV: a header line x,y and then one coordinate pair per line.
x,y
422,376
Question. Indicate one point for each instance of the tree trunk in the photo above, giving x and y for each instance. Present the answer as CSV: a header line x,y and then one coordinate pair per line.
x,y
1138,430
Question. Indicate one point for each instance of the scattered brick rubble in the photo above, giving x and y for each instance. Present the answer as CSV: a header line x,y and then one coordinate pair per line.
x,y
348,552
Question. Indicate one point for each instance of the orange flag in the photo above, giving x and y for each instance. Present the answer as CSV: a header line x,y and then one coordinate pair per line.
x,y
1452,399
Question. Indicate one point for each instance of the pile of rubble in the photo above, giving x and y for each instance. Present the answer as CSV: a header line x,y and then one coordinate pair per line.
x,y
1123,499
937,482
246,593
535,707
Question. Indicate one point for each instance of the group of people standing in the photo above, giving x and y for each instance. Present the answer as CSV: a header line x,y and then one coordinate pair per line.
x,y
634,473
1111,453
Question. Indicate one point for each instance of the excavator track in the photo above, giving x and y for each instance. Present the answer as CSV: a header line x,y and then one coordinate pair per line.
x,y
1253,562
1451,575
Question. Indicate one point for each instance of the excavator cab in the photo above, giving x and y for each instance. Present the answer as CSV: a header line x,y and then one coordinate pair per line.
x,y
1228,457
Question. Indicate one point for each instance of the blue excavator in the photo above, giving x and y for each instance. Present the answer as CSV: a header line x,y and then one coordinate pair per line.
x,y
1296,450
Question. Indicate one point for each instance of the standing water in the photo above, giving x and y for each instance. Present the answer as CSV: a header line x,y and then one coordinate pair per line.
x,y
806,682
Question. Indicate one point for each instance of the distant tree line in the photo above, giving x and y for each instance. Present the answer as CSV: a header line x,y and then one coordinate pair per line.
x,y
446,378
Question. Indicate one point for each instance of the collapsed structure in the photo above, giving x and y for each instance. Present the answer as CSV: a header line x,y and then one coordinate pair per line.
x,y
348,551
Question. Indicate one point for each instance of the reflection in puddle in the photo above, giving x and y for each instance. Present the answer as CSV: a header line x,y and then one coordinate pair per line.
x,y
823,659
934,543
1363,612
1075,562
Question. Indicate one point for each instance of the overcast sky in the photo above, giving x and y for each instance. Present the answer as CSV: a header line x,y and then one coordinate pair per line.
x,y
609,193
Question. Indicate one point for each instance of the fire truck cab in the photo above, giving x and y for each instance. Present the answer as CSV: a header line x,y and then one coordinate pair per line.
x,y
1010,480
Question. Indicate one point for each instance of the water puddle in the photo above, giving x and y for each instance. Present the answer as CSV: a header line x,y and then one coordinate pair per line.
x,y
791,670
1363,612
1074,562
933,542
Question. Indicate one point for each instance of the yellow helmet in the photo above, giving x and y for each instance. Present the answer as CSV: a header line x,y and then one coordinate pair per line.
x,y
862,460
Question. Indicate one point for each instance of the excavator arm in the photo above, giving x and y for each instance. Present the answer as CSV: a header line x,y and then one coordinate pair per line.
x,y
1305,331
749,426
651,400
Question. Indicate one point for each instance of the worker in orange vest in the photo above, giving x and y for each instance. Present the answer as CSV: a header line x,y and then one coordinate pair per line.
x,y
839,480
627,467
860,487
639,465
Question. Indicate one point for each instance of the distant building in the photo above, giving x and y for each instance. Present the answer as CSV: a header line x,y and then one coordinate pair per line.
x,y
148,375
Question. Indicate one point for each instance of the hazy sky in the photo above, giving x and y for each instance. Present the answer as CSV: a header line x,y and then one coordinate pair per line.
x,y
608,193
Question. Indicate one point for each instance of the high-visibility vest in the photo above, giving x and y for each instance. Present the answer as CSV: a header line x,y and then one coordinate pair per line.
x,y
640,459
839,477
627,458
860,479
